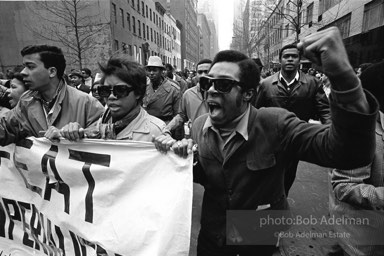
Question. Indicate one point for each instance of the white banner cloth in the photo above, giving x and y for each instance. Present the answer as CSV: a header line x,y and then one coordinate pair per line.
x,y
93,198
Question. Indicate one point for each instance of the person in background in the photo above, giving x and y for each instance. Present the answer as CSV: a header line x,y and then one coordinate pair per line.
x,y
49,100
297,92
17,88
94,90
193,102
171,74
359,193
77,81
243,151
162,96
87,75
123,87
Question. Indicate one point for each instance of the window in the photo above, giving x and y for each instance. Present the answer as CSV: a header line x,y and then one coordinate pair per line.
x,y
116,45
142,9
143,30
343,24
129,21
287,30
122,17
151,35
130,50
114,13
138,6
139,27
124,47
150,14
373,15
309,14
133,4
325,5
146,11
134,25
147,32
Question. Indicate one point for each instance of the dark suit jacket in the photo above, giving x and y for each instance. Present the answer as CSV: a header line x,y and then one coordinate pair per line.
x,y
306,99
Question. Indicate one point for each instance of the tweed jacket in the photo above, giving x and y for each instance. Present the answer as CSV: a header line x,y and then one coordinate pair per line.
x,y
27,118
306,98
250,173
360,193
164,102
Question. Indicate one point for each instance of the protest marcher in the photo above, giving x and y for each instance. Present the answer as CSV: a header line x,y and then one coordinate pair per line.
x,y
193,102
49,101
122,86
243,151
17,88
94,90
77,81
297,92
87,75
162,96
171,74
363,189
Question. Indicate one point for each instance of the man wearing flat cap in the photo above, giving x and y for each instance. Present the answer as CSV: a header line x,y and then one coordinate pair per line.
x,y
77,81
162,96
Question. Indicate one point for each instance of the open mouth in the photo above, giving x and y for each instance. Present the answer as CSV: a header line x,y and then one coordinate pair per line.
x,y
213,106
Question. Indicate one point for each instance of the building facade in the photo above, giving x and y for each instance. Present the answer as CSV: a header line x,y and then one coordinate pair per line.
x,y
361,23
134,28
205,38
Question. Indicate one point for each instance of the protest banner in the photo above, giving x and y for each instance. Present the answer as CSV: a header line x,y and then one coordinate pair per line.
x,y
93,197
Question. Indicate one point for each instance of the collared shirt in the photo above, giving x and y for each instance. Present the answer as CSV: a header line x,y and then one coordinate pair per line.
x,y
285,82
48,106
241,128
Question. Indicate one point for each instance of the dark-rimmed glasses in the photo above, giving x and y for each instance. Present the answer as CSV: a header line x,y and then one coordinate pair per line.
x,y
202,71
119,90
221,85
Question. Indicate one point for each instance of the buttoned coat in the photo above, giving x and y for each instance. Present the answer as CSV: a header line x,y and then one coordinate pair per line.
x,y
306,98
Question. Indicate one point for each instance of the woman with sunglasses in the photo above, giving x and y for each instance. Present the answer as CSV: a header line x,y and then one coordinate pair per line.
x,y
122,87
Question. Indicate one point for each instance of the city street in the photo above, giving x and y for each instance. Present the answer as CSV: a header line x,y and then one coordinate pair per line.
x,y
308,197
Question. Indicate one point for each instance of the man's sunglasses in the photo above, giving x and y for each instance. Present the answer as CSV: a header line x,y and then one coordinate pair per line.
x,y
221,85
202,71
119,90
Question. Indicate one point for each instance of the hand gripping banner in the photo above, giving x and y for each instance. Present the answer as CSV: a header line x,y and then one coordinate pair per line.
x,y
93,197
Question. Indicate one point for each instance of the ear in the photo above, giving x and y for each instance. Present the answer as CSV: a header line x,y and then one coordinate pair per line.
x,y
52,72
247,95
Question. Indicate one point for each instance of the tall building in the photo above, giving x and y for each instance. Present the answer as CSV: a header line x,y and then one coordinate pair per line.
x,y
205,39
134,28
210,9
238,26
185,11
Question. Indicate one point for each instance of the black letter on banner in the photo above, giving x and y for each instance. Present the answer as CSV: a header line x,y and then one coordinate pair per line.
x,y
15,216
89,159
59,186
3,216
26,143
26,240
77,246
81,241
4,154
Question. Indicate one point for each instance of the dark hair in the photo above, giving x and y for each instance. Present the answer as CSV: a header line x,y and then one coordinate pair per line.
x,y
17,76
87,71
51,56
249,72
372,79
204,61
130,72
288,46
168,66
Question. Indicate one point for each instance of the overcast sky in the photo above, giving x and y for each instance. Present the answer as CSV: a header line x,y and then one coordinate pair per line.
x,y
225,23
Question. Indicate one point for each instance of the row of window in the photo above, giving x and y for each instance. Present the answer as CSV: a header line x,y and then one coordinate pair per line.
x,y
136,52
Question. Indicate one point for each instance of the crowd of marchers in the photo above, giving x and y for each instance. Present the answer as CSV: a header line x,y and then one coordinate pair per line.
x,y
246,134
